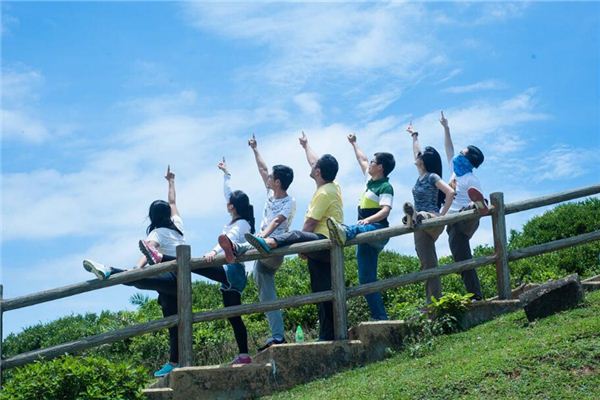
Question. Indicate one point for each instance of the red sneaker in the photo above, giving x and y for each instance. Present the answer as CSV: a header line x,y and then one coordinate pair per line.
x,y
242,359
153,256
227,247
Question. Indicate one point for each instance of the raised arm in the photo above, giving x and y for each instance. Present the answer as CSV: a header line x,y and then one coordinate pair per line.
x,y
448,145
362,159
415,137
263,169
311,157
226,176
170,177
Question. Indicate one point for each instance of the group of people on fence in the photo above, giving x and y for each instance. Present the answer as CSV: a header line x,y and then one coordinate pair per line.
x,y
432,197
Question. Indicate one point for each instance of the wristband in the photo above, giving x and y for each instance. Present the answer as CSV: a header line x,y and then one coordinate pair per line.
x,y
414,134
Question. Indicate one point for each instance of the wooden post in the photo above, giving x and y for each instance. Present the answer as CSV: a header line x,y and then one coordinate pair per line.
x,y
184,305
338,286
499,230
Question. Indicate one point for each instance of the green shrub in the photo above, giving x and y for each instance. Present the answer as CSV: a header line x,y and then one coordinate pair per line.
x,y
76,378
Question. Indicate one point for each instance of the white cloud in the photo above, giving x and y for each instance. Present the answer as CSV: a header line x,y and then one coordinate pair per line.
x,y
18,125
497,12
309,104
490,84
376,103
564,162
20,84
19,116
321,40
482,122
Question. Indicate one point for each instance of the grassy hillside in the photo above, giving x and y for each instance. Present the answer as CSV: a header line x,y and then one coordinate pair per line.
x,y
554,358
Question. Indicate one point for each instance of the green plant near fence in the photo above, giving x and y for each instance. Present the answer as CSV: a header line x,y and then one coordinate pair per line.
x,y
76,378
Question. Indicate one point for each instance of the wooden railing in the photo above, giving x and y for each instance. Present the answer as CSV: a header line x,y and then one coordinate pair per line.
x,y
338,293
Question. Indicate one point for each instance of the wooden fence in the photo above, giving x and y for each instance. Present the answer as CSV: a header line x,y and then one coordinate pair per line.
x,y
338,293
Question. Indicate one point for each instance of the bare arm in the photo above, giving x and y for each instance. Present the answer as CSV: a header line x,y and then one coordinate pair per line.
x,y
226,176
362,159
449,192
379,216
170,177
278,220
415,138
263,169
310,225
311,157
448,145
141,262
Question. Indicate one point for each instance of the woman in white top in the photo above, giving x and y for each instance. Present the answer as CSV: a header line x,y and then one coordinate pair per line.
x,y
233,276
165,233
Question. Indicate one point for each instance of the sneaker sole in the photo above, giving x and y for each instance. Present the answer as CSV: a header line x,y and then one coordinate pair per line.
x,y
225,244
257,244
477,197
88,266
335,232
409,211
146,253
266,346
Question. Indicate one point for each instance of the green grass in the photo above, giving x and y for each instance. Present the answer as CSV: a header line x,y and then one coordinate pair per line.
x,y
554,358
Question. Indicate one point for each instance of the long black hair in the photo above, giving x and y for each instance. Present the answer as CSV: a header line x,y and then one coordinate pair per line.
x,y
244,209
433,164
160,217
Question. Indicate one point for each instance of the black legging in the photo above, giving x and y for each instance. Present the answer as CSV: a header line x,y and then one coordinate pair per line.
x,y
166,286
230,298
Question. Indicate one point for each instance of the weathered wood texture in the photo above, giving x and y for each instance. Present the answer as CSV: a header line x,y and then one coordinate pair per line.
x,y
551,199
153,326
198,263
419,276
89,342
184,306
553,246
500,246
338,286
337,294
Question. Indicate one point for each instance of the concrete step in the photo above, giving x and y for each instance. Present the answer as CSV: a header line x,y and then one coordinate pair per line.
x,y
297,363
158,393
379,337
221,382
283,366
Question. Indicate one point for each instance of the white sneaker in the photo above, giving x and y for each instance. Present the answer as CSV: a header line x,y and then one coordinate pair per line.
x,y
100,270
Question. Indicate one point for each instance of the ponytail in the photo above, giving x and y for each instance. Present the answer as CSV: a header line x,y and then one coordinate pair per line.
x,y
240,201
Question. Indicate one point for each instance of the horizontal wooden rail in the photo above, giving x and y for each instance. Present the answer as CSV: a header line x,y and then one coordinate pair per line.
x,y
547,200
87,286
553,246
88,342
419,276
199,263
163,323
294,301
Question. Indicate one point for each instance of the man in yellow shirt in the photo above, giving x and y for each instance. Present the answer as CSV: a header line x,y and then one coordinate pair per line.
x,y
325,203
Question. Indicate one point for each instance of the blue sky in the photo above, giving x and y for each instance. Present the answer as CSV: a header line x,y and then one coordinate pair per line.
x,y
97,99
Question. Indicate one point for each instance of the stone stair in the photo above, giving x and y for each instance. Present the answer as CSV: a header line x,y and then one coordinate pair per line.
x,y
284,366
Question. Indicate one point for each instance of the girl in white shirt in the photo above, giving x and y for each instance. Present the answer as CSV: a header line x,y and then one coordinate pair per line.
x,y
233,276
165,233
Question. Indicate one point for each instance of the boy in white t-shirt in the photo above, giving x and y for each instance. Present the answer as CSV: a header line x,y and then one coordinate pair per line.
x,y
278,214
468,195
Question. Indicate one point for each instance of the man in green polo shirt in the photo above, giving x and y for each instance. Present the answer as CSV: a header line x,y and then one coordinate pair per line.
x,y
373,209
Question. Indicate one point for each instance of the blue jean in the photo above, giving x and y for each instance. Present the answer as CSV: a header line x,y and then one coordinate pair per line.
x,y
367,255
264,276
